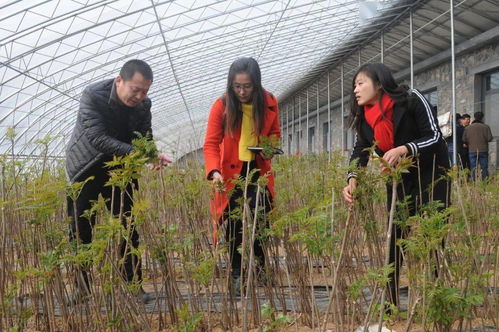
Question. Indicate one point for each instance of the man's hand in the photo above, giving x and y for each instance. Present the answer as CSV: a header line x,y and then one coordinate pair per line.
x,y
393,156
349,189
163,160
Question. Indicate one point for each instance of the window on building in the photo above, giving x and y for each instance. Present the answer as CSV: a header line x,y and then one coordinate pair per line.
x,y
290,142
349,139
432,96
299,136
325,137
490,104
311,139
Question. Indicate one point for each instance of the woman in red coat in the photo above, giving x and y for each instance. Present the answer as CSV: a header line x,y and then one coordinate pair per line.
x,y
240,118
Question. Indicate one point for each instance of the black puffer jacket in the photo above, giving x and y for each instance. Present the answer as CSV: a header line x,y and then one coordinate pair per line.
x,y
95,136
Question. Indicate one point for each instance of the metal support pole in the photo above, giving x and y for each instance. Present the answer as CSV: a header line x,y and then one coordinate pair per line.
x,y
284,135
293,124
288,143
411,48
285,119
281,121
317,147
453,70
342,110
308,150
301,127
382,48
328,118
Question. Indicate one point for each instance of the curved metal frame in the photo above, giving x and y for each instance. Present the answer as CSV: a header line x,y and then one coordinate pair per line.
x,y
294,42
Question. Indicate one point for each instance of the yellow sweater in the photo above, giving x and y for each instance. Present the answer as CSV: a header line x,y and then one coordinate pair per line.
x,y
248,136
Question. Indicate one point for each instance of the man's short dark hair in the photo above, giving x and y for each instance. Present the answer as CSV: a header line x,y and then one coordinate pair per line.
x,y
132,66
478,116
466,116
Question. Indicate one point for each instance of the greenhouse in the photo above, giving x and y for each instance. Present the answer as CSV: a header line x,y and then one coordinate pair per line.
x,y
221,165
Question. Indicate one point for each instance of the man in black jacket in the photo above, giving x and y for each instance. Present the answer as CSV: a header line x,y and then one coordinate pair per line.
x,y
459,142
111,111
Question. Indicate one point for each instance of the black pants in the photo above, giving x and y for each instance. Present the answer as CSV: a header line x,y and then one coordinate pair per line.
x,y
81,227
233,213
465,159
409,186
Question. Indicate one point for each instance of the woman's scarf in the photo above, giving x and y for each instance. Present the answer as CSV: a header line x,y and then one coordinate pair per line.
x,y
380,117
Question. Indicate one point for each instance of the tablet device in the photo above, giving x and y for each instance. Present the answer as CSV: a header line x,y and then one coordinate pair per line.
x,y
260,149
255,148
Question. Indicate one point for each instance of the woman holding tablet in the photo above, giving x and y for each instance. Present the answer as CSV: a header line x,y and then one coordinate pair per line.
x,y
241,118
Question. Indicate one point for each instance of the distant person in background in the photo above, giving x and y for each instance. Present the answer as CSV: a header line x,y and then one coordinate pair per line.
x,y
240,118
465,120
465,159
459,141
477,137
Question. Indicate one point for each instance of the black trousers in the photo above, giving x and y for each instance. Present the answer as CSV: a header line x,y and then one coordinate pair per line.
x,y
233,214
465,159
409,186
81,227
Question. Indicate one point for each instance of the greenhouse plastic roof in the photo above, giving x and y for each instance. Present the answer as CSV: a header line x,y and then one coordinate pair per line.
x,y
51,50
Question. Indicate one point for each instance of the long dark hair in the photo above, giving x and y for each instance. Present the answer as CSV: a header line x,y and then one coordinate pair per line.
x,y
382,76
233,114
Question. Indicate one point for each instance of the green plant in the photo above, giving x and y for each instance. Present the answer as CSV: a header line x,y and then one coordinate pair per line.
x,y
273,321
269,144
188,322
308,227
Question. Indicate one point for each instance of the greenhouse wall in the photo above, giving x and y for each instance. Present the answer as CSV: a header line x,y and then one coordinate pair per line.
x,y
472,70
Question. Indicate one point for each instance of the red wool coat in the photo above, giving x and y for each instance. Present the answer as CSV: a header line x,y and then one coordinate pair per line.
x,y
221,152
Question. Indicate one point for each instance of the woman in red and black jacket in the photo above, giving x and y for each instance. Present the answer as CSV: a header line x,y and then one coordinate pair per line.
x,y
402,123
